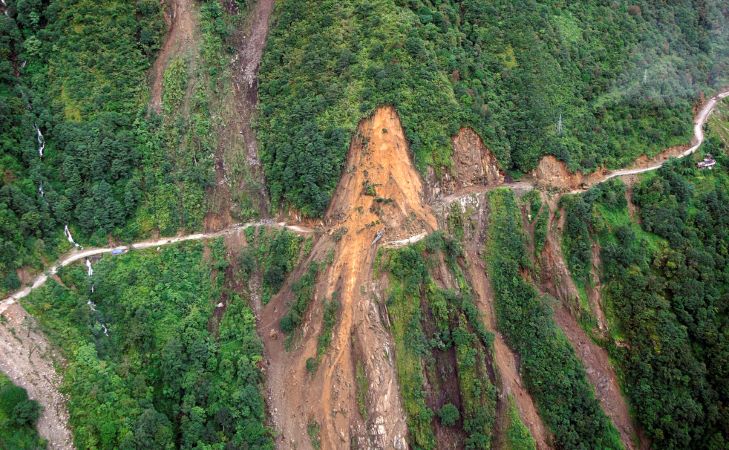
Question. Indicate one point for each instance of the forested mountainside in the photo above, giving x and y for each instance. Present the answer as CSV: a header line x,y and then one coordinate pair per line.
x,y
409,224
81,146
161,351
594,83
664,271
18,417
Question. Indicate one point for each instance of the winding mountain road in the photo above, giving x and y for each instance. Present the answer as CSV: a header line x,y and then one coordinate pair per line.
x,y
698,138
77,255
6,305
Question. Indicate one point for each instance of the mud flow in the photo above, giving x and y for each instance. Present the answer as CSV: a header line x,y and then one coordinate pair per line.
x,y
379,199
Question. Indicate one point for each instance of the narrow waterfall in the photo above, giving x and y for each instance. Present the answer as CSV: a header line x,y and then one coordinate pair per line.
x,y
67,232
41,140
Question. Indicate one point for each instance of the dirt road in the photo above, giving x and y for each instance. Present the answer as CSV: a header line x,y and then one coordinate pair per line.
x,y
77,255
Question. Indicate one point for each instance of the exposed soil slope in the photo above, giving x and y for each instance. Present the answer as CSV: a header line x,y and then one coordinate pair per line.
x,y
506,360
473,166
181,18
473,206
602,376
28,359
557,281
238,171
380,191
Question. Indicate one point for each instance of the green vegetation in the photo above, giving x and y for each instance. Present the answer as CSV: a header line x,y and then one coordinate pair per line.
x,y
146,367
538,216
329,320
449,414
18,417
363,387
78,70
313,429
666,284
303,290
179,144
611,85
274,253
432,327
549,366
517,434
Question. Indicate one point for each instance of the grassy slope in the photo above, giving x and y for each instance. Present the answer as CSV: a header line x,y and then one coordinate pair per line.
x,y
664,284
417,304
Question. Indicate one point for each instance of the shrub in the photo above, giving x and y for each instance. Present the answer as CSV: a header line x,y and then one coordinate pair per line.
x,y
449,414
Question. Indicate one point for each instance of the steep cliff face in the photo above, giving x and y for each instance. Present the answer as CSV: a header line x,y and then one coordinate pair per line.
x,y
473,165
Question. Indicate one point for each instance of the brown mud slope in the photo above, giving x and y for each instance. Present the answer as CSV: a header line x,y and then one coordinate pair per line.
x,y
509,382
239,177
380,191
555,276
181,18
594,290
473,165
28,359
245,70
557,281
553,173
603,378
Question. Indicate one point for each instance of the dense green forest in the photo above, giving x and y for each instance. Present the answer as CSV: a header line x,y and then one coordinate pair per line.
x,y
153,362
442,350
591,82
18,417
666,292
77,70
549,366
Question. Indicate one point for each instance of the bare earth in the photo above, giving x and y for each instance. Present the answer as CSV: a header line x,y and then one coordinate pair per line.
x,y
181,18
558,282
379,155
506,360
28,360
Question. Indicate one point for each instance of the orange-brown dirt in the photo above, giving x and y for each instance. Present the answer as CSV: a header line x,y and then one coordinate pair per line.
x,y
594,291
553,173
380,191
509,382
603,378
473,165
555,276
181,17
556,280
